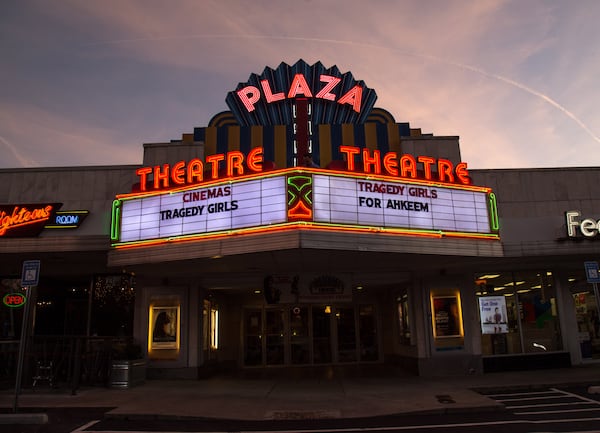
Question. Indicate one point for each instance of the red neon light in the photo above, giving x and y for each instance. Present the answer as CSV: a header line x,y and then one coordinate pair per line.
x,y
299,86
408,165
269,93
300,212
255,160
353,97
21,216
325,92
372,163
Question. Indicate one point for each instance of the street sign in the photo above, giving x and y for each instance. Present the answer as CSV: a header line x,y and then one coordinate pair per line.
x,y
591,272
31,273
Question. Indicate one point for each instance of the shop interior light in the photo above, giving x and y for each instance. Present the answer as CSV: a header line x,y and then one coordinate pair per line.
x,y
327,309
489,276
257,292
539,286
517,283
523,290
497,289
509,294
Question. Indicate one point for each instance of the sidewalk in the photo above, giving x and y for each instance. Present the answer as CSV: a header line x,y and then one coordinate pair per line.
x,y
260,399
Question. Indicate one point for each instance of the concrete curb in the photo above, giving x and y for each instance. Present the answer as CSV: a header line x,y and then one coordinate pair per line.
x,y
23,418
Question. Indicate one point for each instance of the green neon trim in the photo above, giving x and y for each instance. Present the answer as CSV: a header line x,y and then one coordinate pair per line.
x,y
115,222
494,222
304,181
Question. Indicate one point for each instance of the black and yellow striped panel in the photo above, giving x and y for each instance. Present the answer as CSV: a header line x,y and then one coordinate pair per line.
x,y
278,145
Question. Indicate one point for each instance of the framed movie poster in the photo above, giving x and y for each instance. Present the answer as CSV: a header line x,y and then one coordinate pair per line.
x,y
446,316
164,322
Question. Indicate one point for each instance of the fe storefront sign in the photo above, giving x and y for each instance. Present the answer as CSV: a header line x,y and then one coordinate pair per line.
x,y
588,227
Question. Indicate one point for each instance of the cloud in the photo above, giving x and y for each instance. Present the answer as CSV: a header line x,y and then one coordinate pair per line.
x,y
515,80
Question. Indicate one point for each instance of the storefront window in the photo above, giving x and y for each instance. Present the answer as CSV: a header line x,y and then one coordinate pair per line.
x,y
367,331
299,335
346,333
274,321
518,312
321,319
586,312
253,354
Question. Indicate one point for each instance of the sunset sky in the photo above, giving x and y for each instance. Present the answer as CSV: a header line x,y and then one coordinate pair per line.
x,y
88,82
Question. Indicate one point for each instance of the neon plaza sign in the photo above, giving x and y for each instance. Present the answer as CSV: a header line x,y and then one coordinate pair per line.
x,y
269,98
250,95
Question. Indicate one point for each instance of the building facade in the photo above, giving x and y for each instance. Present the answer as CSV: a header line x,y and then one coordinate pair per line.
x,y
386,250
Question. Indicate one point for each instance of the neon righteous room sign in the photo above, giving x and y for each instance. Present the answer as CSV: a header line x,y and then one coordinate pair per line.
x,y
236,192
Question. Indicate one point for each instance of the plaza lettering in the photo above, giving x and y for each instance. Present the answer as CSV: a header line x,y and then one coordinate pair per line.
x,y
251,95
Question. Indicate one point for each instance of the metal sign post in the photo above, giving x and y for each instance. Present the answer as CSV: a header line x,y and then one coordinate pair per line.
x,y
593,276
29,278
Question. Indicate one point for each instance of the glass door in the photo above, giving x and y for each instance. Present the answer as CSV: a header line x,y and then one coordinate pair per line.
x,y
253,350
299,335
310,334
321,321
346,334
275,336
367,331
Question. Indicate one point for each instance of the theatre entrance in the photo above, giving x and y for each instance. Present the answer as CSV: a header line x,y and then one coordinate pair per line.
x,y
310,335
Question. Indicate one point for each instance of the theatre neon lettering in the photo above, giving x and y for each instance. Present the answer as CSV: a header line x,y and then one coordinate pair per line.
x,y
182,173
405,165
23,215
235,163
250,95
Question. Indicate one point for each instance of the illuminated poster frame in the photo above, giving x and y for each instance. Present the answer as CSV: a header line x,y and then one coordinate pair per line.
x,y
164,327
308,198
